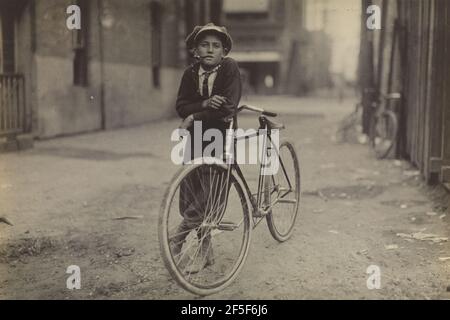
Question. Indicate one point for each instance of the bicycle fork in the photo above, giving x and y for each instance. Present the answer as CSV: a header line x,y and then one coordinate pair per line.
x,y
263,202
229,160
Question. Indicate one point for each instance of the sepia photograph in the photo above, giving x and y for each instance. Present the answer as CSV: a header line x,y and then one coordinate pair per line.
x,y
225,150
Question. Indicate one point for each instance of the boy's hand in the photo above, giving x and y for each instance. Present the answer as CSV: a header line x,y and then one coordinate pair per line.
x,y
215,102
187,122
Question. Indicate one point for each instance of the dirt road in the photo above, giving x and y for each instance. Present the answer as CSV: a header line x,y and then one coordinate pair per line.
x,y
64,196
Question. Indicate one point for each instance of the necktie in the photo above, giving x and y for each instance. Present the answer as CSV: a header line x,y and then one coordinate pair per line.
x,y
205,88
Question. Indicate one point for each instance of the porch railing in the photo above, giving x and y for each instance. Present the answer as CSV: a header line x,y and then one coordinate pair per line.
x,y
12,104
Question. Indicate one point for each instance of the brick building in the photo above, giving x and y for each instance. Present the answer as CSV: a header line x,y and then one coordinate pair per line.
x,y
123,66
120,69
275,51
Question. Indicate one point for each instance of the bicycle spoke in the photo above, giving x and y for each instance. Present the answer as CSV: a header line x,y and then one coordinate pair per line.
x,y
204,251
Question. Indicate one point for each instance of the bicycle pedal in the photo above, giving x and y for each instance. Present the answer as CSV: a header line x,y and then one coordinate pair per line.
x,y
260,214
227,226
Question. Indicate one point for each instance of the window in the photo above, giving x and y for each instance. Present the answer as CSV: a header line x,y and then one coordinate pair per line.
x,y
156,30
7,43
80,68
253,9
80,47
247,6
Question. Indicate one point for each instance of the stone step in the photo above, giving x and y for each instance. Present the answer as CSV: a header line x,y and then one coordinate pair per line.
x,y
16,143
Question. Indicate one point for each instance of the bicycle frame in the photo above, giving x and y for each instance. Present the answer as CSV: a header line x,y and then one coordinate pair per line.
x,y
186,247
259,209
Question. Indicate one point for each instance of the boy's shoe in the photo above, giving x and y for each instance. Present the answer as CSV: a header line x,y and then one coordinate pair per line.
x,y
205,259
175,248
176,242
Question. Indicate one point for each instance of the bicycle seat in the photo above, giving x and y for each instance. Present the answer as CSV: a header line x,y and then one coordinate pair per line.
x,y
272,125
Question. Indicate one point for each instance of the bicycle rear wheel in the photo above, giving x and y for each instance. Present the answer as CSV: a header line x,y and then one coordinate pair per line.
x,y
204,231
282,192
384,133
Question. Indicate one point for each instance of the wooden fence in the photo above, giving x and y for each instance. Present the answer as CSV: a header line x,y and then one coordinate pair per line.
x,y
411,54
12,105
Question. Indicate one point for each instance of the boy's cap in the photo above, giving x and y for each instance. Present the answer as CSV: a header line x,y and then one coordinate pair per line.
x,y
190,43
210,27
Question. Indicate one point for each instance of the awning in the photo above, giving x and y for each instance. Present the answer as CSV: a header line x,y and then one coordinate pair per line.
x,y
250,6
256,56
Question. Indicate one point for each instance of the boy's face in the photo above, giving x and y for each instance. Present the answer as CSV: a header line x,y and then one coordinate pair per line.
x,y
210,50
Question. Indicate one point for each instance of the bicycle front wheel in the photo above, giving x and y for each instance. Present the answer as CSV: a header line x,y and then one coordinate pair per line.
x,y
282,193
204,228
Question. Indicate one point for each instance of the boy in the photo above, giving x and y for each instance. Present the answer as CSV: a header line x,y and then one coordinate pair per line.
x,y
209,92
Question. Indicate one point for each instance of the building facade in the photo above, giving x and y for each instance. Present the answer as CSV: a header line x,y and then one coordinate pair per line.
x,y
274,50
120,69
123,66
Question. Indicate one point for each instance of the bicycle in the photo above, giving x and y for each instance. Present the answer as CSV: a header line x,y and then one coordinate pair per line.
x,y
230,212
350,126
384,125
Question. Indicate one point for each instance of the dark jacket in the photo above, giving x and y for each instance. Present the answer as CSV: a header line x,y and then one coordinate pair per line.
x,y
227,84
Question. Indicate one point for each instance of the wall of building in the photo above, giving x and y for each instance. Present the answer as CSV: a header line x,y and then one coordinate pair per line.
x,y
426,83
304,56
25,61
120,90
410,55
293,44
130,94
61,107
274,34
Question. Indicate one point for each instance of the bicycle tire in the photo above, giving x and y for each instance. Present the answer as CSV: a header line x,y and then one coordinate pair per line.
x,y
272,218
384,133
164,237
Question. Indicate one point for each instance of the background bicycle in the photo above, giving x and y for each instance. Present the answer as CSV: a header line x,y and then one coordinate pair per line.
x,y
384,125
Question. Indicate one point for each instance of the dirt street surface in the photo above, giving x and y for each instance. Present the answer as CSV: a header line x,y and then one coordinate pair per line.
x,y
93,201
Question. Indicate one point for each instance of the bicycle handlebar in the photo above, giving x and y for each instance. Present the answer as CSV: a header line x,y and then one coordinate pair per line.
x,y
392,96
387,97
256,109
